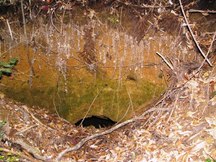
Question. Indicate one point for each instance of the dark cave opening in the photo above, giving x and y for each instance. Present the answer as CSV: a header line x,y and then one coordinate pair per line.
x,y
96,121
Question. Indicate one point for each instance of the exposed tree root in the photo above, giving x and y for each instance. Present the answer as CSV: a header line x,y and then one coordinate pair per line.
x,y
193,36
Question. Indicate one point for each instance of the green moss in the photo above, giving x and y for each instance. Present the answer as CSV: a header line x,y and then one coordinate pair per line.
x,y
106,97
103,97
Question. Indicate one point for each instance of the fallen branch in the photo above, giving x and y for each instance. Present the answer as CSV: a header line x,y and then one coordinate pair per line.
x,y
83,141
193,36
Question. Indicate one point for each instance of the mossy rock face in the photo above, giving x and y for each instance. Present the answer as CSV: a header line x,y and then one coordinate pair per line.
x,y
107,98
87,70
100,97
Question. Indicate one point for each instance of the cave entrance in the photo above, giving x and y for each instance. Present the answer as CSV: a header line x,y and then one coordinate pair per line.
x,y
96,121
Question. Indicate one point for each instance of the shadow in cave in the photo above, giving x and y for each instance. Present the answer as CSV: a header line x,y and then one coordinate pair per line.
x,y
96,121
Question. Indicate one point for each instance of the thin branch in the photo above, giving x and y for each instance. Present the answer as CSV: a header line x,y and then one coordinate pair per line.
x,y
58,112
36,119
143,5
62,21
209,50
83,141
124,114
173,108
131,102
9,28
11,48
155,119
202,11
30,11
55,107
165,60
23,17
30,62
193,36
90,106
25,129
51,20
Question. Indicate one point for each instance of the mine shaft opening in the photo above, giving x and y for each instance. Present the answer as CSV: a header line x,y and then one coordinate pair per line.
x,y
96,121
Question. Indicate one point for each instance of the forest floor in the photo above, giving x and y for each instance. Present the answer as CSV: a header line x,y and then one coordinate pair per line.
x,y
182,127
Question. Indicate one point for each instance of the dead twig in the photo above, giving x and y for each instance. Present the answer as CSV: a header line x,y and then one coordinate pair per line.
x,y
25,129
36,119
165,60
83,141
51,20
58,113
90,106
149,119
193,36
9,28
151,123
10,48
24,20
130,105
209,50
202,11
174,108
142,6
30,62
124,114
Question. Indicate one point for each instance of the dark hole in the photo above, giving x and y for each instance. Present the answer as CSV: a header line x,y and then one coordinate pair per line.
x,y
96,121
